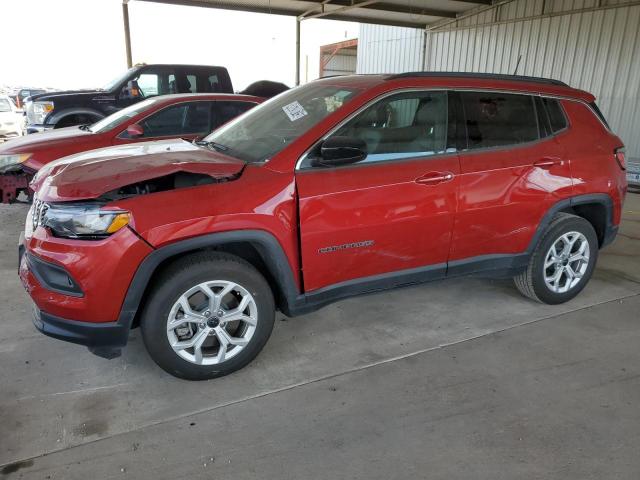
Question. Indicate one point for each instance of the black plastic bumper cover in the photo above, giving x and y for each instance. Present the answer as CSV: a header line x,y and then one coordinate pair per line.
x,y
103,339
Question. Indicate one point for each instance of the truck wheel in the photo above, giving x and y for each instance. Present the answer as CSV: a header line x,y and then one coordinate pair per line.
x,y
209,314
562,263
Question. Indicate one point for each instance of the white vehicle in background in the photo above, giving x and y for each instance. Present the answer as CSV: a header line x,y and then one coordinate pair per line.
x,y
11,119
633,174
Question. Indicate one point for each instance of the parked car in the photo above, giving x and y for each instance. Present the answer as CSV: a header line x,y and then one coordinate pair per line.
x,y
343,186
10,119
633,174
21,95
80,107
189,116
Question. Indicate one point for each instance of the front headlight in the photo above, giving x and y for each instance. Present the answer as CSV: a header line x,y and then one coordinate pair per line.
x,y
79,221
10,162
40,111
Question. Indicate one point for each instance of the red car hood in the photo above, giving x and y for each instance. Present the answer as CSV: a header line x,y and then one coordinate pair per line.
x,y
90,174
27,143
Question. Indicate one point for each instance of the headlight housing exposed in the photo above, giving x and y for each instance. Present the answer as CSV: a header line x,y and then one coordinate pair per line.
x,y
40,111
81,221
12,162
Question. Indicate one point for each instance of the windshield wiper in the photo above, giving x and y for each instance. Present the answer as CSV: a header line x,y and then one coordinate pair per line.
x,y
86,127
215,145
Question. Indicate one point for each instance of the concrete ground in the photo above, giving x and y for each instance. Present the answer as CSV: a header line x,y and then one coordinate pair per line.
x,y
460,379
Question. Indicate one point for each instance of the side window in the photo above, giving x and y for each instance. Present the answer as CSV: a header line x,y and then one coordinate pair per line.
x,y
225,111
543,119
412,124
198,119
148,84
556,115
193,86
168,121
181,83
499,119
214,83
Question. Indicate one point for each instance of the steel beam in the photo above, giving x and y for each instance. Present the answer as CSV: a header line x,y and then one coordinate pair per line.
x,y
392,7
127,33
297,52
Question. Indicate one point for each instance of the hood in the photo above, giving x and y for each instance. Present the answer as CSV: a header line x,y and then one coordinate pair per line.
x,y
27,143
57,95
88,175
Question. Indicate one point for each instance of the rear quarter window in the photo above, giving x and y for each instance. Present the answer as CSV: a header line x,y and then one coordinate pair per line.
x,y
557,118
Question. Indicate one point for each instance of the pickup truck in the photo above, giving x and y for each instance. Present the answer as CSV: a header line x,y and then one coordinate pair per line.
x,y
80,107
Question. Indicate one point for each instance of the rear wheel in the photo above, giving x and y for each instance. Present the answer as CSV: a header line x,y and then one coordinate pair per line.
x,y
563,261
209,315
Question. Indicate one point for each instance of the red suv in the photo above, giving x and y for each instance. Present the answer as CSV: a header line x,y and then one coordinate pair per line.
x,y
343,186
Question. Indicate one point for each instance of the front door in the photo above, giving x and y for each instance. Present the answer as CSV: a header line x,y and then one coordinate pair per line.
x,y
390,213
189,121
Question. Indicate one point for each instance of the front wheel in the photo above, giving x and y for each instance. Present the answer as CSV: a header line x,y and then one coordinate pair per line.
x,y
562,263
209,315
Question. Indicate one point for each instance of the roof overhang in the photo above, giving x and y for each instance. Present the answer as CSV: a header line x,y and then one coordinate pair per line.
x,y
401,13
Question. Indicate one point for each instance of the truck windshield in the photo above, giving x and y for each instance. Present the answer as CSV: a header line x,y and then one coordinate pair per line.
x,y
267,129
121,116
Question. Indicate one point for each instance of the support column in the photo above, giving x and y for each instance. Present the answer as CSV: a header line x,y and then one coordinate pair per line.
x,y
297,52
127,34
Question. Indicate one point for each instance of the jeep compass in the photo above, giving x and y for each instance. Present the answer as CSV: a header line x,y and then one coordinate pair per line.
x,y
344,186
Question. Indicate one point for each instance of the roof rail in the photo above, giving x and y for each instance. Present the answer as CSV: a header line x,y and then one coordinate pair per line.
x,y
489,76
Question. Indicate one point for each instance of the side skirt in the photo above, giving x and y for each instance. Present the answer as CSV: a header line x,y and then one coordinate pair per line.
x,y
488,266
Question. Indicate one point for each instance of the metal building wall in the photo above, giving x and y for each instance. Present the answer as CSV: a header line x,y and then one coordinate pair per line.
x,y
389,49
595,49
340,64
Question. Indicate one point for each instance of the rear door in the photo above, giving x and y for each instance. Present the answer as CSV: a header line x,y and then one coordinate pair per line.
x,y
196,79
512,172
394,210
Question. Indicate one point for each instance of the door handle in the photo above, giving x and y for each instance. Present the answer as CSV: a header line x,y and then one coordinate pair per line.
x,y
434,178
547,162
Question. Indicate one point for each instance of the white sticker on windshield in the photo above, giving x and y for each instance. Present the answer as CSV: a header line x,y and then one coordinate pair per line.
x,y
295,111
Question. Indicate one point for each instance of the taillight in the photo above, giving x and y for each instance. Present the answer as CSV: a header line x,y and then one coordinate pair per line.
x,y
620,157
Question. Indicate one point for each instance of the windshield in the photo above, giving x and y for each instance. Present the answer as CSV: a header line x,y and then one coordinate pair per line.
x,y
267,129
119,79
121,116
4,105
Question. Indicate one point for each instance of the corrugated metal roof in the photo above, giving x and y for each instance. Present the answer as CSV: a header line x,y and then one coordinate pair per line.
x,y
406,13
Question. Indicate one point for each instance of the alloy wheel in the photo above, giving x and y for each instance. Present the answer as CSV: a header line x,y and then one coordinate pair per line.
x,y
566,262
212,322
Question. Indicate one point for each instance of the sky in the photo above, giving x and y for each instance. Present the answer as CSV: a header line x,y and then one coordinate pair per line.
x,y
80,43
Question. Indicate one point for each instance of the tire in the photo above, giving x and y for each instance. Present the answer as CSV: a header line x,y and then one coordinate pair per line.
x,y
197,272
531,282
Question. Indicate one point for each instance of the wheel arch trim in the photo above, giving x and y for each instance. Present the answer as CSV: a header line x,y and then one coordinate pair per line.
x,y
602,199
265,244
57,116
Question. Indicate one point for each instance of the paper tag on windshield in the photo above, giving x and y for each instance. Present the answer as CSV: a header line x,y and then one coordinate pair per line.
x,y
294,111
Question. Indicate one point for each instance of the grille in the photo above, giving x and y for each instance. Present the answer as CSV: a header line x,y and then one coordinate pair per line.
x,y
39,211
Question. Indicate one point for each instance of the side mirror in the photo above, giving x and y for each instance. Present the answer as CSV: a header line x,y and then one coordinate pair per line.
x,y
336,151
134,130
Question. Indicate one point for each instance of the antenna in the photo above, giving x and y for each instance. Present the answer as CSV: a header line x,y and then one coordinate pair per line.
x,y
517,64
